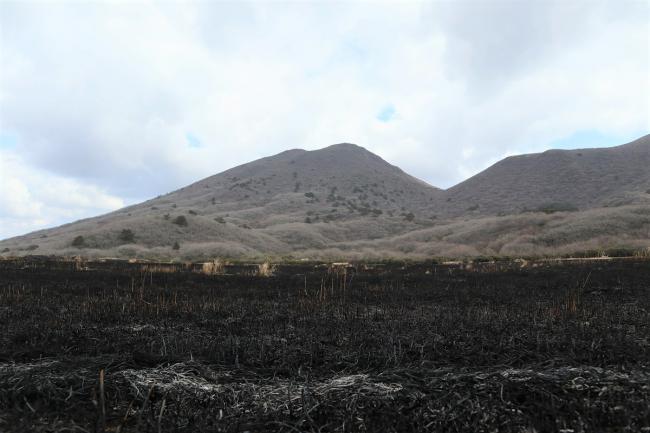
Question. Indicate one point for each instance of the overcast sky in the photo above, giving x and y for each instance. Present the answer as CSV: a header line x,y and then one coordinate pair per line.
x,y
105,104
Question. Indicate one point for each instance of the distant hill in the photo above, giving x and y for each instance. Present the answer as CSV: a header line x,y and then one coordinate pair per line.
x,y
271,206
557,180
346,202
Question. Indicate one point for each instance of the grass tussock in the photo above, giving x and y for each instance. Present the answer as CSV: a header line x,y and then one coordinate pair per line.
x,y
266,269
215,267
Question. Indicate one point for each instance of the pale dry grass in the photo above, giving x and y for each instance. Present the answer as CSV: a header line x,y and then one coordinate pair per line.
x,y
215,267
266,269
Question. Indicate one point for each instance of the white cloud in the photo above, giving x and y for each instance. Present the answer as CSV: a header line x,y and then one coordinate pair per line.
x,y
32,199
105,94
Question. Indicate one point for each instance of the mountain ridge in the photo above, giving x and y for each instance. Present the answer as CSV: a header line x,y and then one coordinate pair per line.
x,y
576,178
345,201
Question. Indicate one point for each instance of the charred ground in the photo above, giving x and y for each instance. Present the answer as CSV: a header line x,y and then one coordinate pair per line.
x,y
420,347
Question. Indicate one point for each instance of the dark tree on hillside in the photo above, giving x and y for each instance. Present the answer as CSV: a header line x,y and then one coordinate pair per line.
x,y
127,236
180,221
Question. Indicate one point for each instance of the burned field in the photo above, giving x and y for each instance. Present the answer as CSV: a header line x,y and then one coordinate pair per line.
x,y
418,348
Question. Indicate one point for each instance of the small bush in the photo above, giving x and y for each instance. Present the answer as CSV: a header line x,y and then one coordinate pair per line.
x,y
32,247
180,221
309,194
176,246
79,242
220,220
556,207
308,220
127,236
409,216
621,252
6,250
191,212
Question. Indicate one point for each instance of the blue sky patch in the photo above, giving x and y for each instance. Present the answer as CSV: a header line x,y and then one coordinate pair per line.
x,y
587,138
193,141
387,113
8,141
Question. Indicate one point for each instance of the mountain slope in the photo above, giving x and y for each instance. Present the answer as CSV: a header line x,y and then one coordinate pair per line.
x,y
275,205
556,180
342,175
343,201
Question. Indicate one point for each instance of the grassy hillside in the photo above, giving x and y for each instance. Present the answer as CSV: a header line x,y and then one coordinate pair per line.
x,y
556,180
343,201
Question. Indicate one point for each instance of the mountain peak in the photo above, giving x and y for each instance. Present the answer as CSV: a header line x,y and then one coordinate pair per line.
x,y
345,146
346,149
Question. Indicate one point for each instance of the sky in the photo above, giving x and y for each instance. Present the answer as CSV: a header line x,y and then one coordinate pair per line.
x,y
105,104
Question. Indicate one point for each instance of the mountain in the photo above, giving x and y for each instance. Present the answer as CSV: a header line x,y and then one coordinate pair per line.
x,y
345,202
557,180
271,206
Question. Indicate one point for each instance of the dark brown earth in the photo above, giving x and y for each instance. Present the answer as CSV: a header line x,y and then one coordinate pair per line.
x,y
509,347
